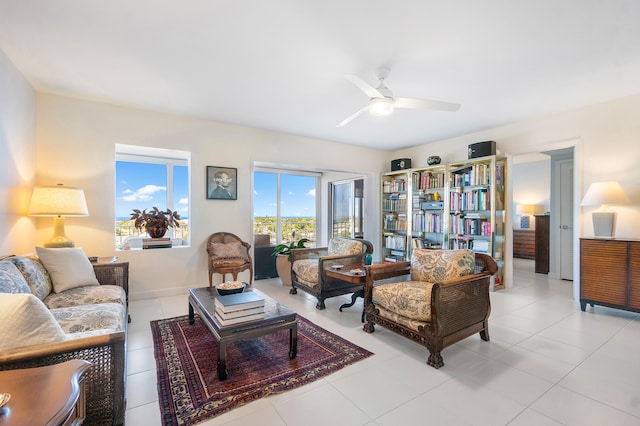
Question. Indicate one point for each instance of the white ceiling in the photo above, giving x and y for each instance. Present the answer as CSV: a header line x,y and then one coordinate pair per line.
x,y
280,64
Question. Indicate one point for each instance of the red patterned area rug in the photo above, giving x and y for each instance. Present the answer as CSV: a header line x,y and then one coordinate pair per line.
x,y
189,391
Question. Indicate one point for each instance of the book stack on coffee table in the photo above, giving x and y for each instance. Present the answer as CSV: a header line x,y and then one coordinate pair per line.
x,y
240,307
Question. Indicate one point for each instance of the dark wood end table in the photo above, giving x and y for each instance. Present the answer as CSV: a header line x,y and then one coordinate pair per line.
x,y
49,395
277,317
345,274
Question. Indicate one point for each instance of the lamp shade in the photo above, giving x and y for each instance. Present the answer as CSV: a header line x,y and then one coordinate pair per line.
x,y
58,201
604,193
529,209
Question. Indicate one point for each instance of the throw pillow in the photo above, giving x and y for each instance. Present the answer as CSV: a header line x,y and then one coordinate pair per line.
x,y
228,250
441,265
25,321
68,267
344,247
11,280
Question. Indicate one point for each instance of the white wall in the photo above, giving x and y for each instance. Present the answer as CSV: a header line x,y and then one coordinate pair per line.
x,y
75,146
17,159
531,185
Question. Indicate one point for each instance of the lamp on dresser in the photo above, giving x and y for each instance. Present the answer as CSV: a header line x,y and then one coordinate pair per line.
x,y
526,211
58,201
604,219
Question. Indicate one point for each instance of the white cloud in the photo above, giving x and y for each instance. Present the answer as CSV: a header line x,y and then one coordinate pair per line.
x,y
143,194
183,201
290,193
312,192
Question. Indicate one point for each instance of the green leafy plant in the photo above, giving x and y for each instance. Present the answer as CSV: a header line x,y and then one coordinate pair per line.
x,y
155,220
286,248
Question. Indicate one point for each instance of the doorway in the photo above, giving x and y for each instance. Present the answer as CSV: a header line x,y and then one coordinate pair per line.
x,y
347,208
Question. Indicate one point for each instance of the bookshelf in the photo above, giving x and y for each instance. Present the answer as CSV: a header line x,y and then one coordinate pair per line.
x,y
456,205
413,211
476,208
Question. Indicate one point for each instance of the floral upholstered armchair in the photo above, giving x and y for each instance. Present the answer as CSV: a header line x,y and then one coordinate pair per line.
x,y
309,265
444,300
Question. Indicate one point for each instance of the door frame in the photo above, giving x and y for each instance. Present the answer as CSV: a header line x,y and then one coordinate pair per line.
x,y
576,144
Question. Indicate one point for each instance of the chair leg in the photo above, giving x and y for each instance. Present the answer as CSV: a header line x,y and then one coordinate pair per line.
x,y
210,278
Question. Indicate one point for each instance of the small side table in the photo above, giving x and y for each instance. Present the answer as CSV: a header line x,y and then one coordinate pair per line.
x,y
345,274
50,395
109,270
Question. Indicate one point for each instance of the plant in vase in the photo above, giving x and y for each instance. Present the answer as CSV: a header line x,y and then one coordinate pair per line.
x,y
155,222
283,260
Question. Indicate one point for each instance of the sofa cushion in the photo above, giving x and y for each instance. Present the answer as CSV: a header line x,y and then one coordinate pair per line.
x,y
344,247
306,271
106,316
25,321
68,267
35,274
87,295
11,280
441,265
409,299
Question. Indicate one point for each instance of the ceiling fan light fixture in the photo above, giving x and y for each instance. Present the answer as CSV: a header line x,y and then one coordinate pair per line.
x,y
380,106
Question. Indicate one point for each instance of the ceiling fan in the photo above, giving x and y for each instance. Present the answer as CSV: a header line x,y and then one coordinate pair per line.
x,y
382,101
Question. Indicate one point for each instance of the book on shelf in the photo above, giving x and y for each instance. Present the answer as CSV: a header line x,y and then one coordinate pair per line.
x,y
238,301
238,320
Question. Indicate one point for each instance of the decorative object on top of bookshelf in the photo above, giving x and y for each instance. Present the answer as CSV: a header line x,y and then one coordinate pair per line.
x,y
604,219
400,164
433,160
482,149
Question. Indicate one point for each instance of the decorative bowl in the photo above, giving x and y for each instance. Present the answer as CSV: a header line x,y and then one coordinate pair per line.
x,y
230,287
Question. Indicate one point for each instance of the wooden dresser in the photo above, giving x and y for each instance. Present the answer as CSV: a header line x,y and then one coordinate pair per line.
x,y
610,273
524,243
542,244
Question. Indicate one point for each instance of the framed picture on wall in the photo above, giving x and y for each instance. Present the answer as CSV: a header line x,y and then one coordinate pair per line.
x,y
222,183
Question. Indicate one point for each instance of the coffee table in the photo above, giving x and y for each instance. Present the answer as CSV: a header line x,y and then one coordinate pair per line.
x,y
277,317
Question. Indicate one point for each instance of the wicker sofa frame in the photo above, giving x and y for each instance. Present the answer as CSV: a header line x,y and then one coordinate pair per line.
x,y
459,307
105,379
327,286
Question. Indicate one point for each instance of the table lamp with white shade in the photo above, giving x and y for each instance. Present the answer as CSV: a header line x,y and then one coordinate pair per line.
x,y
58,201
604,219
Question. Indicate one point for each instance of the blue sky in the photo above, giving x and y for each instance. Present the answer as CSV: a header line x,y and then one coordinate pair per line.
x,y
298,198
143,186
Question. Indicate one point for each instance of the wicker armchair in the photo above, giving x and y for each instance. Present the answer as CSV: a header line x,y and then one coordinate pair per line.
x,y
308,266
228,254
445,299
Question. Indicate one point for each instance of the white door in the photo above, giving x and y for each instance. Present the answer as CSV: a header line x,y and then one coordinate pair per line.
x,y
566,219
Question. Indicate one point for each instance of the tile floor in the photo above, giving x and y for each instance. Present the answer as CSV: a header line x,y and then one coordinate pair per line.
x,y
547,363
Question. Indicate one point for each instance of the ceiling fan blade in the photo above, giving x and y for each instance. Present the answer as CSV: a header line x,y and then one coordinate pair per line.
x,y
425,104
352,117
364,86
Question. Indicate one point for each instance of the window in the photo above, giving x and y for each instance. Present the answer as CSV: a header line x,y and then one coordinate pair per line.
x,y
284,204
147,178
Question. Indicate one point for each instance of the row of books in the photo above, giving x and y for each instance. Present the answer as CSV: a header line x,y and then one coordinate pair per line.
x,y
394,185
395,222
478,174
478,199
397,242
238,308
151,243
428,180
427,222
395,202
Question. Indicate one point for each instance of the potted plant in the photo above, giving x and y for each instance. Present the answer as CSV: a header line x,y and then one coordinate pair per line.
x,y
283,260
155,222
